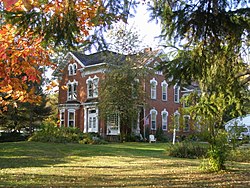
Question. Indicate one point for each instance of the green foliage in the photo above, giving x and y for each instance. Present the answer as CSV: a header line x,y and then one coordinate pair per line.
x,y
189,150
51,133
217,153
12,137
160,135
241,154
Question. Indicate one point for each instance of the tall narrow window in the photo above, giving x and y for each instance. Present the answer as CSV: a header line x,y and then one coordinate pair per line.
x,y
71,118
164,115
62,116
74,68
186,124
92,87
177,120
72,90
95,87
70,69
176,93
153,114
153,84
164,86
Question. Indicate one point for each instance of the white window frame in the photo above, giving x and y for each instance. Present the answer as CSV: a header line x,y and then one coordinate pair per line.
x,y
113,124
164,121
185,117
164,85
74,118
177,124
72,90
93,83
74,68
153,88
70,69
62,118
176,93
153,122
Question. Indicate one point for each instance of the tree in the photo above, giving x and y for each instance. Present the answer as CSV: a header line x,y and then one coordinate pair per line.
x,y
121,91
31,30
214,37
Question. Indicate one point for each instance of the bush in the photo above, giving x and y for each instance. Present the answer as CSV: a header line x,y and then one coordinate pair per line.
x,y
187,150
12,137
239,155
51,133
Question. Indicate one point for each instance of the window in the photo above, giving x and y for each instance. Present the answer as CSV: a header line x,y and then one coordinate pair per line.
x,y
71,118
176,94
164,86
177,120
153,84
113,124
153,114
186,123
72,68
62,118
92,87
134,88
164,115
92,120
185,101
72,90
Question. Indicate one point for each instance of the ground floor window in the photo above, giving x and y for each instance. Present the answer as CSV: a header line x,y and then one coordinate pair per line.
x,y
186,124
113,124
62,118
92,120
71,118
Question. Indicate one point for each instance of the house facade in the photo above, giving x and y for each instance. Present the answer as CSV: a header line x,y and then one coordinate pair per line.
x,y
79,82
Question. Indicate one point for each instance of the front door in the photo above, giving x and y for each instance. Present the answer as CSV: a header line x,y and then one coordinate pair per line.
x,y
92,121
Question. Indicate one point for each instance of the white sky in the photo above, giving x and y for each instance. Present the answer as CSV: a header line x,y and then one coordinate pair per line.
x,y
148,30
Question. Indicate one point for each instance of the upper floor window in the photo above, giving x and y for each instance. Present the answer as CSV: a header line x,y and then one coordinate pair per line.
x,y
176,93
164,115
153,84
185,101
72,90
186,123
72,69
153,114
71,118
177,120
92,87
164,87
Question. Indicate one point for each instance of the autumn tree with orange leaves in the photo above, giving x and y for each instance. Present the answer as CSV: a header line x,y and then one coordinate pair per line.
x,y
31,30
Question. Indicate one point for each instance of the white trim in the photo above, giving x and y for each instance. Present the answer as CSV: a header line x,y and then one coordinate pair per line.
x,y
153,83
164,83
74,121
177,100
162,113
62,111
156,113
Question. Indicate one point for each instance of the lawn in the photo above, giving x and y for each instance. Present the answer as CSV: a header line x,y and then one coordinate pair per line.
x,y
31,164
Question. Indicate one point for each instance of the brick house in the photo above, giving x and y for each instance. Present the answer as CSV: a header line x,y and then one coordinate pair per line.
x,y
79,77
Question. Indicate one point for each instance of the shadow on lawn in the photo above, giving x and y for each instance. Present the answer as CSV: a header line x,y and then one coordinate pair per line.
x,y
108,179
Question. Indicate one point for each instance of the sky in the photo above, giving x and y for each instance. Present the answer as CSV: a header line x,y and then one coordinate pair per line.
x,y
148,30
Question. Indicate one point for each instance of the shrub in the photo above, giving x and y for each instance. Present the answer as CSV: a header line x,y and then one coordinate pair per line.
x,y
189,150
51,133
239,155
12,137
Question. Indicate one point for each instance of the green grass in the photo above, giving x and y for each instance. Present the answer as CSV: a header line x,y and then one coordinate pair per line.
x,y
31,164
